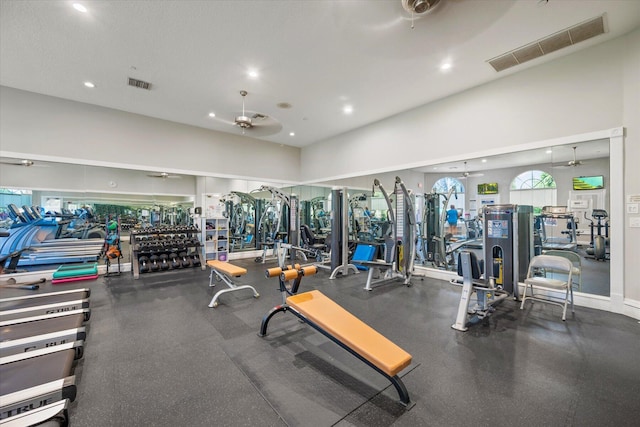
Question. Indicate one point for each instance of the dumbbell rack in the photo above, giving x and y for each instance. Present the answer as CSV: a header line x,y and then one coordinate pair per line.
x,y
165,243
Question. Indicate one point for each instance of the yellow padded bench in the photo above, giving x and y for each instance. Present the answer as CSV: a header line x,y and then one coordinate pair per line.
x,y
349,332
224,271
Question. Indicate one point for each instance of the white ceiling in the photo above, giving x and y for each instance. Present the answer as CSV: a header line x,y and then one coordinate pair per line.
x,y
316,55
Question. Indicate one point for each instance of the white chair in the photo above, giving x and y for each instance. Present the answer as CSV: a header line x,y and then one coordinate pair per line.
x,y
541,263
575,260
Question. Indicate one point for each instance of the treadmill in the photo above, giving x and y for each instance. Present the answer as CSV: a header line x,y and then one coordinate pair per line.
x,y
84,313
29,336
46,303
36,386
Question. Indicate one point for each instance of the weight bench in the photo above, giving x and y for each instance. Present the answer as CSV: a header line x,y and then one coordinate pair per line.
x,y
223,271
346,330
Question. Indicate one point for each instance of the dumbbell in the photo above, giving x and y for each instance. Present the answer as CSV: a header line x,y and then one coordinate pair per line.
x,y
164,262
173,260
195,259
154,263
144,264
186,262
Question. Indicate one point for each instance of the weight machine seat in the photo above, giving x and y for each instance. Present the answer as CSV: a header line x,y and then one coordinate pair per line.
x,y
476,267
351,331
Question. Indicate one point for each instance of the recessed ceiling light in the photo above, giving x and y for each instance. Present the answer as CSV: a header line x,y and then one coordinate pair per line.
x,y
253,74
549,151
89,84
445,66
484,160
212,114
435,167
292,134
79,8
347,109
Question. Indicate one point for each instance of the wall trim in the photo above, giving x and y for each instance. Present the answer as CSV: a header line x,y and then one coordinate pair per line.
x,y
631,308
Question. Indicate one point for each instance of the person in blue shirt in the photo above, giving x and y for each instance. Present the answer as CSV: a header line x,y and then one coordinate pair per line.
x,y
452,220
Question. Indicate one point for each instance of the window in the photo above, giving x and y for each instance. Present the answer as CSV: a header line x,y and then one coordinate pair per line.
x,y
533,179
443,185
536,188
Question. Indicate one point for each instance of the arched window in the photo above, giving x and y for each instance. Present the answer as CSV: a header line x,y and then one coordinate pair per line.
x,y
534,187
533,179
443,185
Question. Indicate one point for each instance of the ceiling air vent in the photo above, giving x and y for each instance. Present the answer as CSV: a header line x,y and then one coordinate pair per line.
x,y
557,41
139,84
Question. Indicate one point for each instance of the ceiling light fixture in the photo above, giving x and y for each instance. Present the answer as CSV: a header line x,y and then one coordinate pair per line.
x,y
347,109
549,151
79,8
484,160
89,85
292,134
446,66
253,74
212,114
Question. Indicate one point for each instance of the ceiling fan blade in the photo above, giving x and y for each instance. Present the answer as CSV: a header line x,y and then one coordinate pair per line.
x,y
264,127
164,175
24,163
225,120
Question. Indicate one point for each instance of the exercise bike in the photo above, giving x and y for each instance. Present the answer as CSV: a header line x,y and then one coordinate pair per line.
x,y
598,249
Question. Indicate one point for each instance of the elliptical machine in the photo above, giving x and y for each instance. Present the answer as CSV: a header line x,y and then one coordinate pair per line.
x,y
598,249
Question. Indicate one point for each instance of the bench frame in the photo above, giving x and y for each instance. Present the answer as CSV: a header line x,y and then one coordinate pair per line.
x,y
226,278
395,380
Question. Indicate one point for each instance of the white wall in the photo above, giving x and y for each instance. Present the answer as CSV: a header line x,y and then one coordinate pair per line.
x,y
44,127
575,94
631,121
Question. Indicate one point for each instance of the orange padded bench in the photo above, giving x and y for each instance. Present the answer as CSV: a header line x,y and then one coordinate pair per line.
x,y
223,271
350,330
346,330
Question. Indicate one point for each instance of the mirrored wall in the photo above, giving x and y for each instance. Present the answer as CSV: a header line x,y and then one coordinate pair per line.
x,y
567,186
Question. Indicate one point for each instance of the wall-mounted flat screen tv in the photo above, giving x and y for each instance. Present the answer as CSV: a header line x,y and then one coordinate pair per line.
x,y
588,182
488,188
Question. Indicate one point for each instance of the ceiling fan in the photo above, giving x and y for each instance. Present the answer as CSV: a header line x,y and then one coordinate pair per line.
x,y
253,123
24,163
466,174
164,175
571,163
419,6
